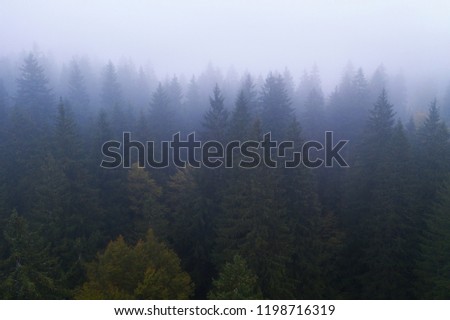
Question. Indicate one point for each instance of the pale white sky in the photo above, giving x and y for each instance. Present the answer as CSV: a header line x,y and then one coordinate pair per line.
x,y
183,36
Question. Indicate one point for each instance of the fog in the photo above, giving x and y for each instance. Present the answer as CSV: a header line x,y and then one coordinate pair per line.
x,y
309,150
182,37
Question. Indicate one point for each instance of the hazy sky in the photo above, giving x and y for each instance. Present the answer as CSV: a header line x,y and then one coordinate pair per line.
x,y
183,36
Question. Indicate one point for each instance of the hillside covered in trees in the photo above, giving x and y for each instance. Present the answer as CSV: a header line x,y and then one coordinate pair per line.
x,y
379,229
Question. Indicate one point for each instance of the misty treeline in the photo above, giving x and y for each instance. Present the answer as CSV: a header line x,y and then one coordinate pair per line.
x,y
70,229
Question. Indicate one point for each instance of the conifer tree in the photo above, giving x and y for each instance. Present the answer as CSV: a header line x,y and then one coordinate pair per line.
x,y
433,156
276,106
78,94
215,121
161,115
191,227
235,282
28,272
381,223
33,92
240,119
146,210
433,267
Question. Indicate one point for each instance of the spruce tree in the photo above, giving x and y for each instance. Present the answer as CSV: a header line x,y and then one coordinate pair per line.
x,y
276,111
215,121
240,119
28,272
146,211
235,282
433,268
33,93
380,220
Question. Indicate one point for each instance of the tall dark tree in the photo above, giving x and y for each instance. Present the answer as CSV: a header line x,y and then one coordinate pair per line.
x,y
251,94
3,107
78,95
191,227
215,121
433,154
112,100
433,267
276,106
240,119
380,221
162,115
28,272
314,121
254,225
111,94
146,211
192,106
33,92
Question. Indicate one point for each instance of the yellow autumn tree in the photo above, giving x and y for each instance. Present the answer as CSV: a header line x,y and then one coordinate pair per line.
x,y
148,270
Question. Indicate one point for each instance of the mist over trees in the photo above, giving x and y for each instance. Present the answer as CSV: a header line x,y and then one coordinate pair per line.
x,y
71,229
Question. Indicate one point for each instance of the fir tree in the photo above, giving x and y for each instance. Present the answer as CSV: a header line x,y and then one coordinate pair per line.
x,y
33,92
235,282
276,106
215,121
28,272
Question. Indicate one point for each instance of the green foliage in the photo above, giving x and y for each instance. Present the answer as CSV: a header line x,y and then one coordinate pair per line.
x,y
28,272
240,119
235,282
162,115
33,93
216,118
433,156
376,230
254,225
434,264
148,270
191,226
276,106
146,210
381,222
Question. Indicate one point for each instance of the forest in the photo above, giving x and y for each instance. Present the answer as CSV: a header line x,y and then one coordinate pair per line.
x,y
70,229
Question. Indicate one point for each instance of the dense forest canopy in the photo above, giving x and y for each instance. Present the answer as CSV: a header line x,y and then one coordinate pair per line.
x,y
71,229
